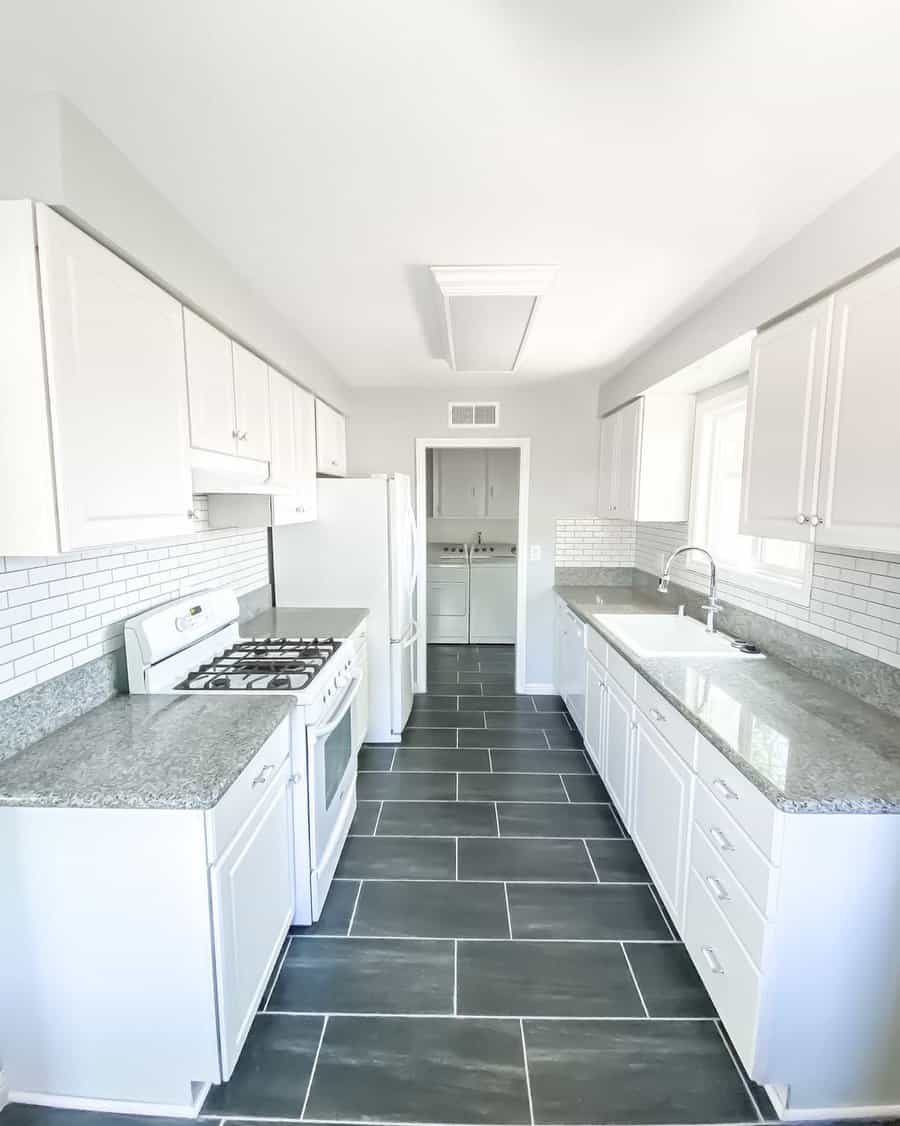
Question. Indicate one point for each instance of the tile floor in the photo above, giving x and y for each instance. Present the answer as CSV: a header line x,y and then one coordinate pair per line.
x,y
492,950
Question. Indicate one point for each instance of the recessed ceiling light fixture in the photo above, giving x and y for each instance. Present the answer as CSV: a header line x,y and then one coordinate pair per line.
x,y
489,311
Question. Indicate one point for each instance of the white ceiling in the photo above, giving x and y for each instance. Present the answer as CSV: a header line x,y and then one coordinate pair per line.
x,y
334,149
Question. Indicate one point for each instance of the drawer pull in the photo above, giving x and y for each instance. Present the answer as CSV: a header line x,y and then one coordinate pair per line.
x,y
715,886
657,715
722,787
720,840
264,775
711,960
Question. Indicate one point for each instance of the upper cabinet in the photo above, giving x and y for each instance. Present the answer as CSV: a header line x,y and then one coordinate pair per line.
x,y
97,447
822,459
331,441
476,483
645,459
251,405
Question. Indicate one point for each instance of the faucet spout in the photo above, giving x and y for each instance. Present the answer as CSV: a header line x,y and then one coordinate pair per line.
x,y
712,604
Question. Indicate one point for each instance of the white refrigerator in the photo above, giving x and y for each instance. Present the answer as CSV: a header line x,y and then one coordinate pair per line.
x,y
361,552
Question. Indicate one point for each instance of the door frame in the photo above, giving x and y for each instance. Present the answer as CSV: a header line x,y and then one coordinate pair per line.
x,y
523,445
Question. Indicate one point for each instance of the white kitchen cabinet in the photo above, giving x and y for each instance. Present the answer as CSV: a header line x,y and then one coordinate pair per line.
x,y
595,701
331,441
283,462
460,483
210,376
96,450
573,684
618,744
661,814
251,405
502,497
645,459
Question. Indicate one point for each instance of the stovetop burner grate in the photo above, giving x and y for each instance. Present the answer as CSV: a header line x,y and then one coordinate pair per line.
x,y
272,664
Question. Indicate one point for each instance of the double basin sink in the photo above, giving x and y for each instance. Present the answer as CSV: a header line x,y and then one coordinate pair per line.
x,y
670,635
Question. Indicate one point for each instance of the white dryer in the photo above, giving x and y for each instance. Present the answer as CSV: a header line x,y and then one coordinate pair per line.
x,y
492,594
448,593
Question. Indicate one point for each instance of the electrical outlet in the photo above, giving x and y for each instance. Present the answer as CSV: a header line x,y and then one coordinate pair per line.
x,y
534,553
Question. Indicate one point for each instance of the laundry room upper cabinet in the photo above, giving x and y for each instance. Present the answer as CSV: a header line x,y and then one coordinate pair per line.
x,y
821,452
95,447
460,483
645,459
502,500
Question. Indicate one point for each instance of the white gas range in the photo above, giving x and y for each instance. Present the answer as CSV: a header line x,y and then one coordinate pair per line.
x,y
194,645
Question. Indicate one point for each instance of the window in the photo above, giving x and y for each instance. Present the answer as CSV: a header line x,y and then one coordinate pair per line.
x,y
778,567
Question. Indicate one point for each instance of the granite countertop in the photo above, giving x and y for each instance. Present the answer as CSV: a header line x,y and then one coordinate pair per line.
x,y
304,621
144,752
809,747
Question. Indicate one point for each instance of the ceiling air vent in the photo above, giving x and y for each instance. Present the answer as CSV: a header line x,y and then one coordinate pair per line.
x,y
489,312
474,415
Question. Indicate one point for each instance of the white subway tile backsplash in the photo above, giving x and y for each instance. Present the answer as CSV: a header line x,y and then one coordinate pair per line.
x,y
584,542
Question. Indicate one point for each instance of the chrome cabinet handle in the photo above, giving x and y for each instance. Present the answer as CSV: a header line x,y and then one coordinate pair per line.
x,y
235,433
242,437
815,521
264,775
720,839
802,518
657,715
190,514
715,886
724,789
300,508
711,960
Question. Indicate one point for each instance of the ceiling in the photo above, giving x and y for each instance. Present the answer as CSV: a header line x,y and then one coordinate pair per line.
x,y
334,150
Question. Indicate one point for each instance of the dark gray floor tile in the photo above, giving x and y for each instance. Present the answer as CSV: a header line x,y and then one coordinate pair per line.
x,y
500,685
581,911
758,1093
442,759
551,820
549,979
512,859
273,1071
527,721
585,789
539,762
338,909
440,679
428,737
617,862
365,818
438,819
668,982
511,787
523,740
359,975
442,701
548,703
499,703
375,758
431,910
27,1114
398,858
405,786
429,1070
633,1072
446,719
564,740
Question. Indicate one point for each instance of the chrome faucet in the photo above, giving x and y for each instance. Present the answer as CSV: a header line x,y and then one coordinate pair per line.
x,y
712,606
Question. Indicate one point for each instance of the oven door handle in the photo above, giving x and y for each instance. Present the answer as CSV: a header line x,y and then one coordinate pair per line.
x,y
325,729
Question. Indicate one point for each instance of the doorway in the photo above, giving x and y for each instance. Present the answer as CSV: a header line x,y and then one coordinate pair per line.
x,y
472,549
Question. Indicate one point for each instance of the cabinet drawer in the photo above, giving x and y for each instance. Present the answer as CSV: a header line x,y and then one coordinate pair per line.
x,y
247,791
667,720
731,899
725,968
752,811
754,873
621,670
597,646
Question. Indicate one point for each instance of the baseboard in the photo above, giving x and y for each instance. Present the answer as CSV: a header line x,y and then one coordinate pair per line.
x,y
4,1089
826,1113
116,1106
540,690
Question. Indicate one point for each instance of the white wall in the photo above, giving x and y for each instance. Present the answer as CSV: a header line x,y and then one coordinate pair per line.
x,y
51,152
855,232
561,421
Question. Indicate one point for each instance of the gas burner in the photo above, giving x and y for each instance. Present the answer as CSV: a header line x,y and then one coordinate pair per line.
x,y
275,664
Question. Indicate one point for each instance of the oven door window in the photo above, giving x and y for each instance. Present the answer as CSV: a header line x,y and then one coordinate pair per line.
x,y
337,753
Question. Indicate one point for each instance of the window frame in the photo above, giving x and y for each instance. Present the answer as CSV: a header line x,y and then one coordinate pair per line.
x,y
770,581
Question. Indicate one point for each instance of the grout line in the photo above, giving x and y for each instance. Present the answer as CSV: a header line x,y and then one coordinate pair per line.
x,y
377,820
635,980
457,785
490,760
503,938
591,862
355,905
738,1069
393,758
527,1076
562,782
277,973
546,739
455,975
493,836
656,899
456,841
482,880
483,1016
497,816
313,1071
508,915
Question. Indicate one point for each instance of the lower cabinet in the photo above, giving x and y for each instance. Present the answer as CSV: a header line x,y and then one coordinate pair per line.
x,y
618,744
661,814
594,710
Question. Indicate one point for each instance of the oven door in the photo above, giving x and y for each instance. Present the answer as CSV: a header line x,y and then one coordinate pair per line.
x,y
332,789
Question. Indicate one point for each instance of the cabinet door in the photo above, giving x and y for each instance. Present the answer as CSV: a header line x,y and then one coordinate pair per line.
x,y
574,663
304,408
252,891
859,498
593,713
210,380
628,460
251,405
503,484
283,463
609,438
460,483
331,455
118,404
618,742
784,425
560,622
661,805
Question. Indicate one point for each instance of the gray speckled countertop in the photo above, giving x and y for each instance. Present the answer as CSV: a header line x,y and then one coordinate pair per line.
x,y
809,747
304,621
144,752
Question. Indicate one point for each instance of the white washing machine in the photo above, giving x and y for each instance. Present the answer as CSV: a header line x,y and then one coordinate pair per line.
x,y
448,593
492,594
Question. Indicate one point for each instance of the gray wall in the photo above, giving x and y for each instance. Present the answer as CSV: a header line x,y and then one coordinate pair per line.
x,y
559,419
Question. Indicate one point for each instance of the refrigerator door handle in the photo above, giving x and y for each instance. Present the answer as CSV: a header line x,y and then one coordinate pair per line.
x,y
412,636
413,537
